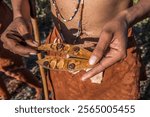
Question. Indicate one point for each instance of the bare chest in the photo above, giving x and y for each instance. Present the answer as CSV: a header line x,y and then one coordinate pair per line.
x,y
94,15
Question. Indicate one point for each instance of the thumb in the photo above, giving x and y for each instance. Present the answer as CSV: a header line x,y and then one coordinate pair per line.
x,y
29,40
25,32
103,43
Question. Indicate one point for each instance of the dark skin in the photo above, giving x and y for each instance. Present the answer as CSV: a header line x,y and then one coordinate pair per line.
x,y
17,33
18,36
114,36
113,32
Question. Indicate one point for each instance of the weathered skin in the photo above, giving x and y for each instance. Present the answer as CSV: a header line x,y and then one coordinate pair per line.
x,y
95,14
11,64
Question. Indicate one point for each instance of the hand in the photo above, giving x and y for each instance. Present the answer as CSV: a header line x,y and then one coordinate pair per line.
x,y
18,39
111,46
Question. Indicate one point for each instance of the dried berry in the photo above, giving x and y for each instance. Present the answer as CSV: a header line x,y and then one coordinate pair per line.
x,y
71,66
46,63
76,49
60,46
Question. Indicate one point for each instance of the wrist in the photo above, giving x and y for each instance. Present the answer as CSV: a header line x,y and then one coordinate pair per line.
x,y
27,21
21,9
129,15
137,13
123,17
17,13
132,14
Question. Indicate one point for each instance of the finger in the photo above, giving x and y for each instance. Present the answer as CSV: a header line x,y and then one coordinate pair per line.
x,y
5,46
23,29
23,51
106,62
27,38
104,41
25,33
14,37
16,47
15,52
32,43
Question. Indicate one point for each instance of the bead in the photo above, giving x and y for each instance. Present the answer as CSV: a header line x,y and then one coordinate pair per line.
x,y
58,12
78,33
71,18
64,20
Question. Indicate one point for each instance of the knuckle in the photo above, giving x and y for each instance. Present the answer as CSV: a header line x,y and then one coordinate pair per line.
x,y
5,46
122,55
12,50
3,37
9,45
106,30
98,52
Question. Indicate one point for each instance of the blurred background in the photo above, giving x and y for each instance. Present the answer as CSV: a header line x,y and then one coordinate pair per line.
x,y
141,33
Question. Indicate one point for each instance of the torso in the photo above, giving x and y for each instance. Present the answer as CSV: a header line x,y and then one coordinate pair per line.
x,y
95,14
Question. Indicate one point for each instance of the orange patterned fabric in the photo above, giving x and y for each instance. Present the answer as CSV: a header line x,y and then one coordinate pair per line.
x,y
120,81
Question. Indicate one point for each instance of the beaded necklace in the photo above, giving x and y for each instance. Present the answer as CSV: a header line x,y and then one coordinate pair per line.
x,y
61,17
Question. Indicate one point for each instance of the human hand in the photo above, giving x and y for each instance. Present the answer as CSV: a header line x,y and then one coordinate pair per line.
x,y
17,38
111,47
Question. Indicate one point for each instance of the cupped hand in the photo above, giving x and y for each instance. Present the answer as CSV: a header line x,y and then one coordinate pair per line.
x,y
111,48
17,38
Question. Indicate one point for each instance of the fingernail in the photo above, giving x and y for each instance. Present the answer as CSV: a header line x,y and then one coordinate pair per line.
x,y
92,60
32,53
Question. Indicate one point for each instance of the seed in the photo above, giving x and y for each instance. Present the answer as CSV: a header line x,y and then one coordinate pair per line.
x,y
76,49
71,66
46,63
60,64
60,46
53,63
52,46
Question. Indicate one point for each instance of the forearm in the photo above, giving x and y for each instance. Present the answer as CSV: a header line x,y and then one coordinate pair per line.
x,y
21,8
138,12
